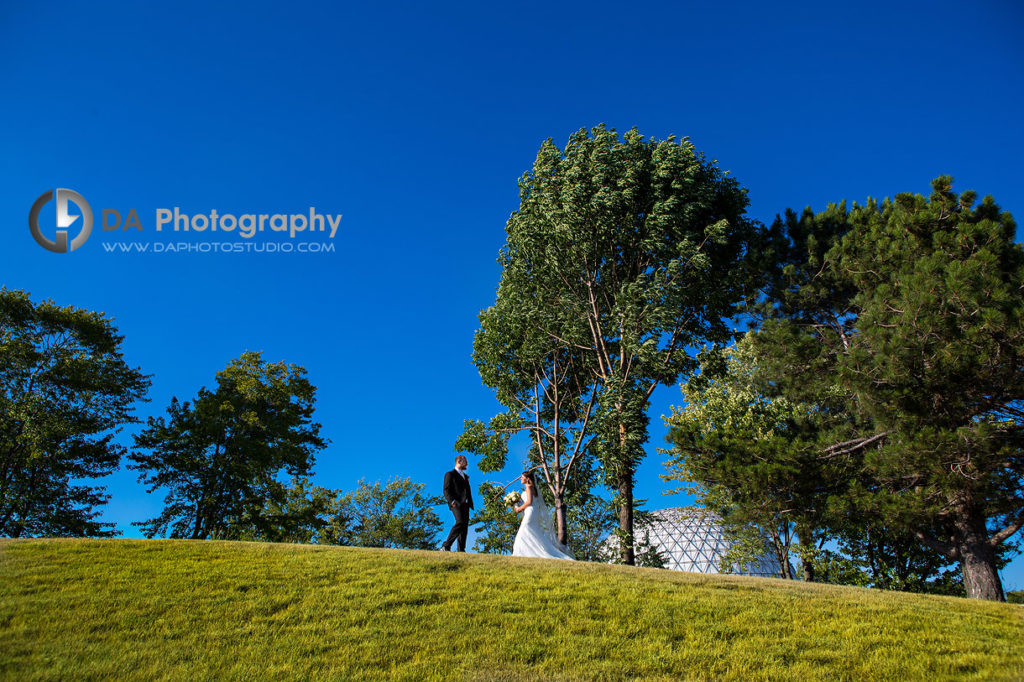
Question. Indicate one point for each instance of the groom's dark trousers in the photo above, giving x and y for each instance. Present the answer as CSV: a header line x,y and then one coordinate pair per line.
x,y
459,496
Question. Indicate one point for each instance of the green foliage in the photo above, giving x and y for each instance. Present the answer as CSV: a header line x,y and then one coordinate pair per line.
x,y
754,459
623,252
232,610
872,555
299,514
496,523
884,387
939,356
394,515
546,388
893,559
1015,596
749,543
886,561
591,518
912,309
837,568
219,456
65,391
490,441
645,553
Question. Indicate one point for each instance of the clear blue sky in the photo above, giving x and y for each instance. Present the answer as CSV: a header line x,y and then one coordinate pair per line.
x,y
414,121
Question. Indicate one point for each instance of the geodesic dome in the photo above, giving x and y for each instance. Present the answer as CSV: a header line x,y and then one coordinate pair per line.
x,y
693,540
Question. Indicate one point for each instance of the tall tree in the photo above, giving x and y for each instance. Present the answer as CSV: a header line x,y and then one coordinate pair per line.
x,y
545,386
929,344
633,248
219,456
65,390
591,516
395,515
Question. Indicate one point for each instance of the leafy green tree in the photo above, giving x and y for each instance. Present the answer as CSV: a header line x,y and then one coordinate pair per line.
x,y
755,460
836,568
871,555
496,522
646,553
298,514
546,388
750,542
219,456
608,548
65,391
396,515
917,313
592,517
897,560
629,250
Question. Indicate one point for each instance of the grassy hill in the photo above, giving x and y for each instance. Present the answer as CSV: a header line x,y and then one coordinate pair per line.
x,y
184,610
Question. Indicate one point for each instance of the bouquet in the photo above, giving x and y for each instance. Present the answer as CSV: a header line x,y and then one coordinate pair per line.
x,y
512,498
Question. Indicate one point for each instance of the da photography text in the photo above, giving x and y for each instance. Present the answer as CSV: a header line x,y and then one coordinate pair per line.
x,y
246,224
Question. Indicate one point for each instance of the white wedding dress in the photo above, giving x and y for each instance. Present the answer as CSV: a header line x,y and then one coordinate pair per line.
x,y
535,537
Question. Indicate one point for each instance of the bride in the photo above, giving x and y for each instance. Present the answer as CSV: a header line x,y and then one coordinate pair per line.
x,y
535,538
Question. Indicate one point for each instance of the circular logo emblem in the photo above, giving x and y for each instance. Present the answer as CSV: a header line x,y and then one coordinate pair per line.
x,y
64,221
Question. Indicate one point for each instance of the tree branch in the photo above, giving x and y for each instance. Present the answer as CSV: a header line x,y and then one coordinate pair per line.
x,y
1005,533
855,444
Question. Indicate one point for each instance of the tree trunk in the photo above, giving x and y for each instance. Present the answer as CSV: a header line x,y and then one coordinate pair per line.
x,y
779,547
870,546
625,490
626,515
787,567
562,521
978,559
197,529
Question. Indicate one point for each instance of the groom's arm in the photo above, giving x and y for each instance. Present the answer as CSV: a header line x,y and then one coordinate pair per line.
x,y
449,494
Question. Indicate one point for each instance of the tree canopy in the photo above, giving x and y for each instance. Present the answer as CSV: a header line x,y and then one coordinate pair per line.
x,y
753,457
901,323
65,390
218,456
623,252
395,515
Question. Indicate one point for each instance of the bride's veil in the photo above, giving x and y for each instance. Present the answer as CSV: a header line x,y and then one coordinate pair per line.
x,y
547,519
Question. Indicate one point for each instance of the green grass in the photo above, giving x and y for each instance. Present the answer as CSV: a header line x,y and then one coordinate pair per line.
x,y
188,610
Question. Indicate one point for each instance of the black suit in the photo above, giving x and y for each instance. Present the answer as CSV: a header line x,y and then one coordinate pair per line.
x,y
459,495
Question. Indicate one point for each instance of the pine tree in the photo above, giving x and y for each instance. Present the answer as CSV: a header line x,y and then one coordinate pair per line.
x,y
913,308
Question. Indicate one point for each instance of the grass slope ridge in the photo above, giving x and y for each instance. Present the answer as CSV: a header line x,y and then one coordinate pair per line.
x,y
179,609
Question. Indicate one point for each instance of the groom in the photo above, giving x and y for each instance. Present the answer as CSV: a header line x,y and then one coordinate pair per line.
x,y
460,500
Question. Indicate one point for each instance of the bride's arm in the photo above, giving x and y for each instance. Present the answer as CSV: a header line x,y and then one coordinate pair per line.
x,y
527,501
